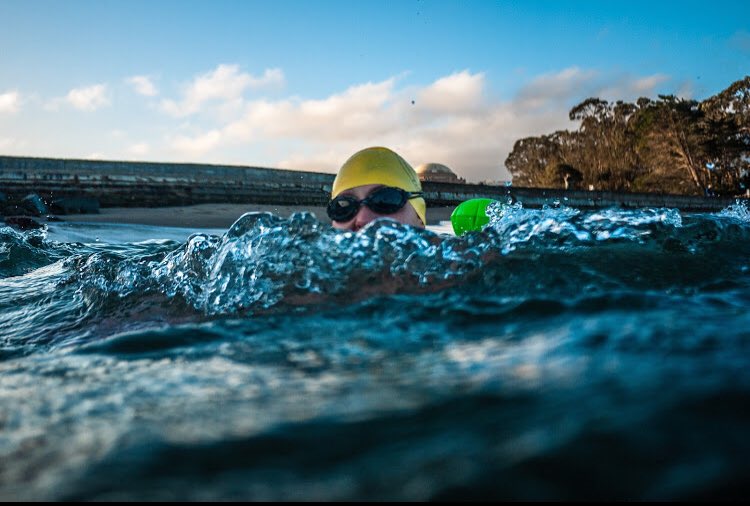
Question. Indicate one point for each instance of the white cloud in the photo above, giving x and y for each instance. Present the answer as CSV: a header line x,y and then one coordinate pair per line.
x,y
54,104
7,143
572,85
629,88
685,90
550,89
88,98
366,109
448,123
459,92
453,121
143,86
224,84
320,160
139,149
647,84
197,145
10,102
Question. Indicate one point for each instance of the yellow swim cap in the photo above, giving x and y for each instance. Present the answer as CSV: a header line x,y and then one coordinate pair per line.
x,y
380,166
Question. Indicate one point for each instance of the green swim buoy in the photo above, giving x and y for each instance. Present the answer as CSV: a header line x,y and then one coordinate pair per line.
x,y
470,216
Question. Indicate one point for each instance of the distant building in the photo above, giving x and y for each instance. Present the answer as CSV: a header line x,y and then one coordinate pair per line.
x,y
437,173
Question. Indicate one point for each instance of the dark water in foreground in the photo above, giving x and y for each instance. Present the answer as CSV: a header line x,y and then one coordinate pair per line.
x,y
556,355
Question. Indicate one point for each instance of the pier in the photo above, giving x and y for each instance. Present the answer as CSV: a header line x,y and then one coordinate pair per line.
x,y
154,184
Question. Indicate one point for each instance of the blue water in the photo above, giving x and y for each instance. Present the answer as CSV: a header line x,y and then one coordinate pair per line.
x,y
558,354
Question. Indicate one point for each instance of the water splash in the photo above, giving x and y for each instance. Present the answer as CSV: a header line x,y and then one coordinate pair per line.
x,y
264,262
21,252
562,227
264,259
739,211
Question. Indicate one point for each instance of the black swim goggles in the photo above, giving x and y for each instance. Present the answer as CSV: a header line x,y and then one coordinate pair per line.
x,y
385,200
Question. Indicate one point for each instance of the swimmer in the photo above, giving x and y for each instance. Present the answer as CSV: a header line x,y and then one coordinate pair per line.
x,y
376,183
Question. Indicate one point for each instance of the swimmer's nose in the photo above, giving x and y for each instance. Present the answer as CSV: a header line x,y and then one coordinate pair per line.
x,y
363,217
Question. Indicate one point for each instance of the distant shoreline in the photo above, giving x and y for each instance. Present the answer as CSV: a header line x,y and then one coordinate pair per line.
x,y
210,215
115,185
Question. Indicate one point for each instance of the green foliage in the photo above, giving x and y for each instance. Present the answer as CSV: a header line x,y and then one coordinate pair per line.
x,y
667,145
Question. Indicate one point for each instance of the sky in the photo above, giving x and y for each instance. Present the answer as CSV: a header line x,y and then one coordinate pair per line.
x,y
305,84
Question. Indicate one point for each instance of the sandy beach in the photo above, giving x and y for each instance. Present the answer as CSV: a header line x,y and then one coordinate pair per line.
x,y
210,215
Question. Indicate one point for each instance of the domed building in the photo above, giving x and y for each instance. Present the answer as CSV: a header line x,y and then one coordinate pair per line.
x,y
437,173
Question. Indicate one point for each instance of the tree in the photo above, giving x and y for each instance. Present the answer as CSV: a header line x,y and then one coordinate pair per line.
x,y
529,159
670,145
727,119
607,153
670,141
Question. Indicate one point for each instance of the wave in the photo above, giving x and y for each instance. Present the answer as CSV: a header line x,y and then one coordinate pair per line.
x,y
284,359
265,263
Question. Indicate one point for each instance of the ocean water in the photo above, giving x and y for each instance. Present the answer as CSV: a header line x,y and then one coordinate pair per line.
x,y
556,355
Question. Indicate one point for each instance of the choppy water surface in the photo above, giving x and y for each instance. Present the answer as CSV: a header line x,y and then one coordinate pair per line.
x,y
558,354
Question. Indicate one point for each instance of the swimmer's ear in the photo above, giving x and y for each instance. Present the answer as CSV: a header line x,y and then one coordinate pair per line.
x,y
470,216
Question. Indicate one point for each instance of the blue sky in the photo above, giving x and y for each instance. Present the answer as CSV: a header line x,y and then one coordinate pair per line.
x,y
304,84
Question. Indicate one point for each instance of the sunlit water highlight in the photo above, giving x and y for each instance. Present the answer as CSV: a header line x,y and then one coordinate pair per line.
x,y
558,354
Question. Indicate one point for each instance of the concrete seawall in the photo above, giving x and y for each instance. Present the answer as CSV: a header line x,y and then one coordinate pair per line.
x,y
150,184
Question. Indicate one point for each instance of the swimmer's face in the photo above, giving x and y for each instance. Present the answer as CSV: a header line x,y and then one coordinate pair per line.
x,y
406,215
